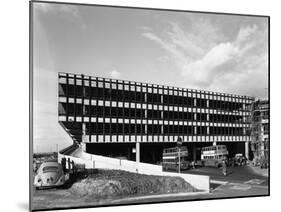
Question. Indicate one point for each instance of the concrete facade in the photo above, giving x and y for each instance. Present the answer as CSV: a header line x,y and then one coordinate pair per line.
x,y
137,120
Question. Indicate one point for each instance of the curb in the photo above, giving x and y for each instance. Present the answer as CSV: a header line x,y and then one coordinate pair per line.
x,y
219,182
161,196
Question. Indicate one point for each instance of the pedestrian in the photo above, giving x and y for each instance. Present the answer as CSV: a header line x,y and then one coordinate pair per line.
x,y
68,164
224,168
193,164
63,163
73,166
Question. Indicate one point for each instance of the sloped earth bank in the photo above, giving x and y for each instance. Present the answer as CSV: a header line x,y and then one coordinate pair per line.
x,y
114,183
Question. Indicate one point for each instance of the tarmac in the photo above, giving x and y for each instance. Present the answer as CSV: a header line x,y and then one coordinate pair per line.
x,y
259,171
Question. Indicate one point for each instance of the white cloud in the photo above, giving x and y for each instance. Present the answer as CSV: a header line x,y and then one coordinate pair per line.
x,y
245,32
208,59
59,8
70,12
200,70
205,70
115,74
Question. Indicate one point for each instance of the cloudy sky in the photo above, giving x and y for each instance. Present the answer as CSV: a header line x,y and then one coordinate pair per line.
x,y
223,53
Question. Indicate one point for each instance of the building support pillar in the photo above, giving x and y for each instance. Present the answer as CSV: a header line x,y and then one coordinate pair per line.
x,y
129,153
247,149
83,143
194,152
137,155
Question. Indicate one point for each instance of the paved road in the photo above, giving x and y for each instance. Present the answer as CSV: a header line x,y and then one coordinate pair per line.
x,y
237,174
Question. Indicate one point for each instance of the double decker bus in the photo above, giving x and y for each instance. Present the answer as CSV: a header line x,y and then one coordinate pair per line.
x,y
171,158
213,155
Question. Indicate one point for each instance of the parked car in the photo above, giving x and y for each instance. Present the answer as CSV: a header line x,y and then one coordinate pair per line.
x,y
49,174
239,160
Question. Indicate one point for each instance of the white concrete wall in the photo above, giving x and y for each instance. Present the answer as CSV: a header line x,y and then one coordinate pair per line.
x,y
100,162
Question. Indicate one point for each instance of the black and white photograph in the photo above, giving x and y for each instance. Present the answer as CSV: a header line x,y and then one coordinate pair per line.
x,y
135,105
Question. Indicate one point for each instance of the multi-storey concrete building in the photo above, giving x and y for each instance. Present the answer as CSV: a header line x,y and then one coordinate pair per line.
x,y
260,131
137,120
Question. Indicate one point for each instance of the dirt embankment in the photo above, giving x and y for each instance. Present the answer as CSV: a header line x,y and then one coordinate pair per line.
x,y
114,183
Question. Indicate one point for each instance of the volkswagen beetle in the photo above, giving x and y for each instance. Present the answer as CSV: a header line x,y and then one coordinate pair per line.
x,y
49,174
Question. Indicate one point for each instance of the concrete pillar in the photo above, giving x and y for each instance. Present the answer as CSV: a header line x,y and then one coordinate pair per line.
x,y
247,149
129,153
83,143
194,152
214,143
137,155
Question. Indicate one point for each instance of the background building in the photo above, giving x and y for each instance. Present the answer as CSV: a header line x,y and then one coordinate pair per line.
x,y
260,132
136,120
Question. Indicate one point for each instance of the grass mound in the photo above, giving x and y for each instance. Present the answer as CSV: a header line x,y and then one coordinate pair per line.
x,y
113,183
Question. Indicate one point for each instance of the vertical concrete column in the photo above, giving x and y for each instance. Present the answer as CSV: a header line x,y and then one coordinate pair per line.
x,y
83,143
145,113
247,149
207,103
194,152
214,143
137,155
129,153
195,103
208,130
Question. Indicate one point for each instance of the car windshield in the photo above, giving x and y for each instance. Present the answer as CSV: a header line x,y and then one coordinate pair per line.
x,y
50,169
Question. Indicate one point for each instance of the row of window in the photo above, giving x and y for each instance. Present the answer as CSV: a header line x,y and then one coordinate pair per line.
x,y
116,112
152,129
105,82
136,96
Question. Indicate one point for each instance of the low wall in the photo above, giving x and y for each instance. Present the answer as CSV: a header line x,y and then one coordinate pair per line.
x,y
101,162
201,182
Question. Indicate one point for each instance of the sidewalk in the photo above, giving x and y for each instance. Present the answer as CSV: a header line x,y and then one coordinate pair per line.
x,y
258,170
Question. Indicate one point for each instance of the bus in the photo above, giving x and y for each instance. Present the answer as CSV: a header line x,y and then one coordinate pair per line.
x,y
170,158
213,155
